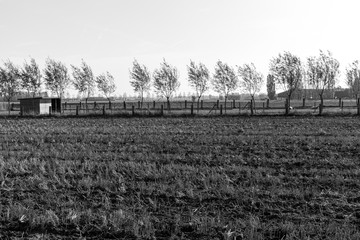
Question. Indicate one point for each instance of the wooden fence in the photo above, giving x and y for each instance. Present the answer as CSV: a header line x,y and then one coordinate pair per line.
x,y
232,107
247,107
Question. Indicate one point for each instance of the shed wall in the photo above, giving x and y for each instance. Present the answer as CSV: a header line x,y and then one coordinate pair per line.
x,y
30,106
44,108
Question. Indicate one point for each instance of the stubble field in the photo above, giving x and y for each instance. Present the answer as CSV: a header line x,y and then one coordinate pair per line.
x,y
180,178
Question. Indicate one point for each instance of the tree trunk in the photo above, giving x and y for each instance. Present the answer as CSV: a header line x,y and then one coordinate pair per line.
x,y
321,104
198,104
225,103
9,108
142,99
251,107
253,101
168,103
287,110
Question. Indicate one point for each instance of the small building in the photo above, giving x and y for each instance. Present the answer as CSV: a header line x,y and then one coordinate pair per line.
x,y
40,105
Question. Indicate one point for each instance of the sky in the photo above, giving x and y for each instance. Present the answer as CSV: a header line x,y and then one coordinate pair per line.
x,y
110,34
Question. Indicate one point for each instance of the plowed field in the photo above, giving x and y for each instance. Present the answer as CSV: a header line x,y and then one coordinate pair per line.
x,y
180,178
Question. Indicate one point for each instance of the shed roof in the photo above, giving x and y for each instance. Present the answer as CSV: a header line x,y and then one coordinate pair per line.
x,y
39,98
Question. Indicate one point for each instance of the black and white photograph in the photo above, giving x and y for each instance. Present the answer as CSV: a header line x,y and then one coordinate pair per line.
x,y
180,119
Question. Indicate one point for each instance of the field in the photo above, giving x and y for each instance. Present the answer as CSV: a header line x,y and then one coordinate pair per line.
x,y
180,178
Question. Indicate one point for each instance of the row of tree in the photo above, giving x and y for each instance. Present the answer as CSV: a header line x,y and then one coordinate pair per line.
x,y
319,72
287,70
56,78
225,80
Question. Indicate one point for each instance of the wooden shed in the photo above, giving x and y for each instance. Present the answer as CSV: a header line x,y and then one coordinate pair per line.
x,y
40,105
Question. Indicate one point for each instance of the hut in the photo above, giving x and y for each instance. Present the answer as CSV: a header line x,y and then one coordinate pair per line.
x,y
40,105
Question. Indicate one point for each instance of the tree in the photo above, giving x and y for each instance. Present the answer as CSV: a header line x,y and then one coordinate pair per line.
x,y
225,80
56,77
287,70
31,77
252,80
321,73
198,79
140,79
9,81
83,80
270,86
166,81
353,78
105,83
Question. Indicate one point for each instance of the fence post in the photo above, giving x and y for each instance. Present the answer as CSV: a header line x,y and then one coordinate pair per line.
x,y
104,110
192,109
233,103
221,107
110,105
49,110
77,110
133,110
251,107
124,105
267,103
94,105
154,104
303,102
321,106
342,105
162,110
21,111
339,102
217,104
286,106
139,104
358,106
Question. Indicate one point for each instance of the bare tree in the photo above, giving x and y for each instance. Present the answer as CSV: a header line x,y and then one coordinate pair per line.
x,y
287,70
252,80
225,80
353,78
140,79
198,79
322,73
83,80
166,81
10,81
270,86
56,77
106,84
31,77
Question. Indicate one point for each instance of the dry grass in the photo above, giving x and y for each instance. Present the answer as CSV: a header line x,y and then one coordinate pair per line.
x,y
180,178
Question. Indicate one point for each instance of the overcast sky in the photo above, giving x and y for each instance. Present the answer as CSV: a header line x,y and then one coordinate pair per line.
x,y
110,34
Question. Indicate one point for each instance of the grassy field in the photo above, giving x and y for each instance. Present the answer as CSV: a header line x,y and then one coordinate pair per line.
x,y
180,178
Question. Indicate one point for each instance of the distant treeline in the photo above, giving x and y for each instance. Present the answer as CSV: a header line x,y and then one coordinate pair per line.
x,y
317,74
